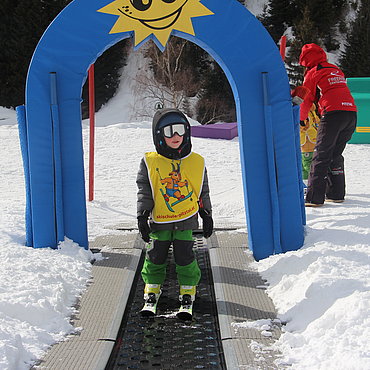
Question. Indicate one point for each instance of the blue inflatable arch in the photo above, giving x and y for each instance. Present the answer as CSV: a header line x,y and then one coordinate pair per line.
x,y
51,118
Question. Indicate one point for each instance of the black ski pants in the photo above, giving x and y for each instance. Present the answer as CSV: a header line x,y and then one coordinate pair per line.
x,y
327,168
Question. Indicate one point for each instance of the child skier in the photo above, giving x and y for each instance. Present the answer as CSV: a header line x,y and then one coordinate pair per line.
x,y
308,133
172,189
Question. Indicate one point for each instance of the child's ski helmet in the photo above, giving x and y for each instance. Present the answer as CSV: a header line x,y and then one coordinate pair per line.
x,y
165,117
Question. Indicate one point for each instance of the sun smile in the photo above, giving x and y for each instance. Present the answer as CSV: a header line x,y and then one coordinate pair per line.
x,y
158,23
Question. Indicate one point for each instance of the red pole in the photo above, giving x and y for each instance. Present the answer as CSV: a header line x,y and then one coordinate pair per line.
x,y
282,46
92,131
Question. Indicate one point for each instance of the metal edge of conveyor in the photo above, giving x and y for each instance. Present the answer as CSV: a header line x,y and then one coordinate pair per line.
x,y
116,323
225,331
112,356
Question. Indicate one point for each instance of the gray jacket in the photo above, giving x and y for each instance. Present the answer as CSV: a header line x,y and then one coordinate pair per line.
x,y
145,202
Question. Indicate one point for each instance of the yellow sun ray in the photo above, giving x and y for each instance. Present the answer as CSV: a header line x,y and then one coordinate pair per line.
x,y
158,18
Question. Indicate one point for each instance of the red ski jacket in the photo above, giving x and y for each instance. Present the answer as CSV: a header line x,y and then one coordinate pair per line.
x,y
326,82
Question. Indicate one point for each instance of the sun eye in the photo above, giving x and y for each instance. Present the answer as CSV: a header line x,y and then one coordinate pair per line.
x,y
168,1
141,5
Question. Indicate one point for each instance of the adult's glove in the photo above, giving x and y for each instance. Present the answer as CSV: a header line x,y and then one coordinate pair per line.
x,y
299,94
143,225
207,222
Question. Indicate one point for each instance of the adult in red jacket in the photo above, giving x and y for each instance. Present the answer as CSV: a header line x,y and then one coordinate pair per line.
x,y
328,88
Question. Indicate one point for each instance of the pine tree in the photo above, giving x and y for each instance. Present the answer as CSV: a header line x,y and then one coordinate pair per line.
x,y
22,27
355,61
305,33
278,16
216,100
325,16
6,71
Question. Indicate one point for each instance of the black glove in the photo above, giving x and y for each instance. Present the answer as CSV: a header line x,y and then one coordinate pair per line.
x,y
143,225
207,222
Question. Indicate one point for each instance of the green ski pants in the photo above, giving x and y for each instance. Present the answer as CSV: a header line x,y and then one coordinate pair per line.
x,y
155,264
306,164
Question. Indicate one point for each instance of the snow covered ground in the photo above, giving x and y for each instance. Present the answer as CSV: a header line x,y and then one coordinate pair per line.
x,y
320,291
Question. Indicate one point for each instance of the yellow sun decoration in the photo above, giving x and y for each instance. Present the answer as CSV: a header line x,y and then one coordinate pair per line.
x,y
157,17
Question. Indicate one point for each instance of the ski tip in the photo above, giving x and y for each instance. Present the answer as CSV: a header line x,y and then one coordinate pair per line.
x,y
147,313
185,316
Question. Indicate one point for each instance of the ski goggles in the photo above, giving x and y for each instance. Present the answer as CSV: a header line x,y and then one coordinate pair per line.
x,y
171,130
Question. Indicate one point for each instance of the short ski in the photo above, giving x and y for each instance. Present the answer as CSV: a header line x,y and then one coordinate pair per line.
x,y
181,199
185,311
150,306
169,206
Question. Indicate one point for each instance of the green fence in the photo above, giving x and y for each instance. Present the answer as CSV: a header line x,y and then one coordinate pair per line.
x,y
360,89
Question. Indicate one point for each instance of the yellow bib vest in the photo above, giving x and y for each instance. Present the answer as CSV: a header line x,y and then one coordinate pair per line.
x,y
176,186
309,132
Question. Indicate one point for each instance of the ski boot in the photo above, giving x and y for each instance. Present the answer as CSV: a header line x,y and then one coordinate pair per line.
x,y
152,293
305,187
186,297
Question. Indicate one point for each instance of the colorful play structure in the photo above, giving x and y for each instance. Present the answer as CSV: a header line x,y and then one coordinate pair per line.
x,y
220,130
50,121
360,89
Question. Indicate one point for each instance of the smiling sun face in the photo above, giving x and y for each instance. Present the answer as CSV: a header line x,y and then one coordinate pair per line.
x,y
157,17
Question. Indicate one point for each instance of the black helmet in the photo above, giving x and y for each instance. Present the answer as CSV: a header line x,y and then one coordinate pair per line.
x,y
165,117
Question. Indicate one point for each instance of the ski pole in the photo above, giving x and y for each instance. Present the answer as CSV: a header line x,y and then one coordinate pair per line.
x,y
187,186
157,169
